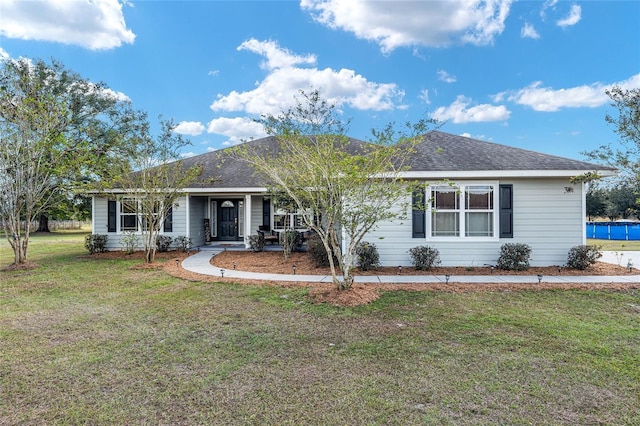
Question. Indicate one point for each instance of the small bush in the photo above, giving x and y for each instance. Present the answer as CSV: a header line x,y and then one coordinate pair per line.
x,y
368,257
130,240
182,243
582,256
318,254
256,242
96,243
514,257
163,242
424,257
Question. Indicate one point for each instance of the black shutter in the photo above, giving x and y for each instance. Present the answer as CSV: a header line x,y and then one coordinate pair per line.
x,y
506,211
111,215
266,212
168,221
418,213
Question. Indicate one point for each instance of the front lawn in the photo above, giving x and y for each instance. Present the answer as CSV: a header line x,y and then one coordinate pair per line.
x,y
86,341
615,245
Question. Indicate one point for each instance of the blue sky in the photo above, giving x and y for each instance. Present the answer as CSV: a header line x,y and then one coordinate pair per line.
x,y
530,74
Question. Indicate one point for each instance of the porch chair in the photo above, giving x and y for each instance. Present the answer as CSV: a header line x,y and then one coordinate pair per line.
x,y
270,236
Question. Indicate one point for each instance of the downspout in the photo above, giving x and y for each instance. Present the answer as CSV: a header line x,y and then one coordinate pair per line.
x,y
247,220
93,214
584,212
187,206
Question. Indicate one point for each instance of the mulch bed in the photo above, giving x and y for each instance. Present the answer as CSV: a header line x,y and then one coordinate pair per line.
x,y
274,262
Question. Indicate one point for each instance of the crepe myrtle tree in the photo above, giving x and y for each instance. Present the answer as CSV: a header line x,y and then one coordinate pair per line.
x,y
158,180
57,129
625,155
349,187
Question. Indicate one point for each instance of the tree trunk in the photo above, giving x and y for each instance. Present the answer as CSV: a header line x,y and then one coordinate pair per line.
x,y
345,284
43,223
19,245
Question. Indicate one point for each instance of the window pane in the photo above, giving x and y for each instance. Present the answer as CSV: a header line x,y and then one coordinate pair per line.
x,y
479,198
445,198
445,224
129,223
128,206
279,221
479,224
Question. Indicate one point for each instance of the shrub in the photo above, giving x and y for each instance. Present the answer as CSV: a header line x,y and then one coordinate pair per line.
x,y
318,254
368,257
130,240
583,256
96,243
182,243
514,257
424,257
163,242
256,242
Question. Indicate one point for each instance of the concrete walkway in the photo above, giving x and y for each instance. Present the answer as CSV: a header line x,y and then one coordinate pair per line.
x,y
200,263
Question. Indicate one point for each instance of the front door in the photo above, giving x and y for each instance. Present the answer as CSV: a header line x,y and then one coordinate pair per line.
x,y
228,221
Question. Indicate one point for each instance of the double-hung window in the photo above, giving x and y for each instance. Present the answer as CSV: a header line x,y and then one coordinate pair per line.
x,y
132,218
129,215
462,211
282,220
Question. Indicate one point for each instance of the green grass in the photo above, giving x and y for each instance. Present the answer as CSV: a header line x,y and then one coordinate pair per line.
x,y
94,342
615,245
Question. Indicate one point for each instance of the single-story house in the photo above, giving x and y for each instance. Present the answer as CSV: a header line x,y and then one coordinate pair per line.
x,y
501,194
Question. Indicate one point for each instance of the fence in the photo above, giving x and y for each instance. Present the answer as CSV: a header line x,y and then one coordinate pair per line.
x,y
613,230
55,225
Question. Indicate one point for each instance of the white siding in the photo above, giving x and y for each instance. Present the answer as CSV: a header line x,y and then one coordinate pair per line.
x,y
198,211
114,241
256,213
99,225
545,216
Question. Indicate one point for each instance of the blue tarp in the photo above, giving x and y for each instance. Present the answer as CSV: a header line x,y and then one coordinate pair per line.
x,y
613,230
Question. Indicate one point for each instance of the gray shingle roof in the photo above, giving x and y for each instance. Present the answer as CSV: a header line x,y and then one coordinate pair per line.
x,y
441,151
438,152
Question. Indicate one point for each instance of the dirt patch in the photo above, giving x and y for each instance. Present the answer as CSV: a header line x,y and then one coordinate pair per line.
x,y
274,262
27,266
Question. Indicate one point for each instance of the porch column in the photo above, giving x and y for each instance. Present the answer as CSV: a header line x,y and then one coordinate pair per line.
x,y
247,219
187,208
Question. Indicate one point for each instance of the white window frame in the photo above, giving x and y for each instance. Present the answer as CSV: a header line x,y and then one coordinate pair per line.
x,y
462,211
293,219
140,229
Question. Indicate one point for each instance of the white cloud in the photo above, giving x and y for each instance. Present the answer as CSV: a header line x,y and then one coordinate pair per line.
x,y
424,96
459,112
236,129
191,128
119,96
409,23
528,31
575,14
548,4
3,54
284,81
188,154
276,57
94,24
547,99
446,77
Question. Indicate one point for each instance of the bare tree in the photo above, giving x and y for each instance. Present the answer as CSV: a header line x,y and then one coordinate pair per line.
x,y
156,184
